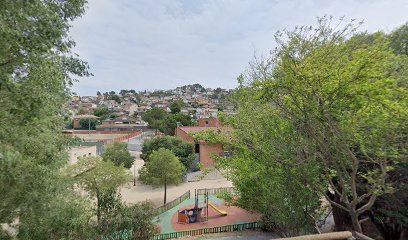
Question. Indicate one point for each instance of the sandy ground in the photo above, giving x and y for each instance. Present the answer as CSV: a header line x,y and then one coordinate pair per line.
x,y
141,192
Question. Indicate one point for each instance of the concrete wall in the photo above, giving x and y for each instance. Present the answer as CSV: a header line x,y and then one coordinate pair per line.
x,y
83,151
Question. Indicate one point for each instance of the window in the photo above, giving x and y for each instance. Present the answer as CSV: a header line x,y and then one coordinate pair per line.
x,y
197,148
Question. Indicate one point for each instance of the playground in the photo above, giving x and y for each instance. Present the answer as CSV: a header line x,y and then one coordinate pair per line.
x,y
203,211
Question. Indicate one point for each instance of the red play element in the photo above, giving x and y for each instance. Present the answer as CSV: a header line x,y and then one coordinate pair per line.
x,y
235,215
182,218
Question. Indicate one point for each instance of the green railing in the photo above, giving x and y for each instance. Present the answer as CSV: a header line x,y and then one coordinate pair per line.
x,y
215,191
173,203
201,231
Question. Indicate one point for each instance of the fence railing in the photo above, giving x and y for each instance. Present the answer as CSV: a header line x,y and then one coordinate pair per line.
x,y
200,231
123,138
215,191
173,203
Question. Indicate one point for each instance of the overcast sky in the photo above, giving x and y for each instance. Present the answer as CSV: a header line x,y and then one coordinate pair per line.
x,y
162,44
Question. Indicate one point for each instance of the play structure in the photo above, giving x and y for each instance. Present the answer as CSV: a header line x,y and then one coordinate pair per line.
x,y
199,213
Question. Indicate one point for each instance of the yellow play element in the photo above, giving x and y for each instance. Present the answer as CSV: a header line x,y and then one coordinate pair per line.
x,y
224,213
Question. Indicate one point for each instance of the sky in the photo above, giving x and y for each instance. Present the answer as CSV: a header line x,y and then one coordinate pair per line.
x,y
162,44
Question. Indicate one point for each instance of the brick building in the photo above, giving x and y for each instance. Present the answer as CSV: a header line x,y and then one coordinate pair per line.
x,y
203,149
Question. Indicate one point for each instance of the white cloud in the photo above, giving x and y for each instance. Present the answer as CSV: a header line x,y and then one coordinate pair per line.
x,y
163,44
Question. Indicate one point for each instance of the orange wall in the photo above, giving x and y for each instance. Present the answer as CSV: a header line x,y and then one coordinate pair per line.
x,y
184,136
76,123
212,122
206,150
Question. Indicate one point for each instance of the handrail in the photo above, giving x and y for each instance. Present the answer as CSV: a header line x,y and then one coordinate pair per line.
x,y
173,203
201,231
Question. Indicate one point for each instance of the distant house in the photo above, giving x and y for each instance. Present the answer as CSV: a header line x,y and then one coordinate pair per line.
x,y
203,149
121,123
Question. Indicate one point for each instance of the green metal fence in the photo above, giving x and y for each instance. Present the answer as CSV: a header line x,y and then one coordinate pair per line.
x,y
201,231
215,191
173,203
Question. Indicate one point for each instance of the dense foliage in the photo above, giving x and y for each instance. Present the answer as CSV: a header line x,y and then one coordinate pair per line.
x,y
184,151
101,179
162,169
36,71
166,122
88,123
119,154
323,115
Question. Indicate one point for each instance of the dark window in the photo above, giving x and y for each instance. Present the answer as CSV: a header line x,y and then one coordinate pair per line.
x,y
197,148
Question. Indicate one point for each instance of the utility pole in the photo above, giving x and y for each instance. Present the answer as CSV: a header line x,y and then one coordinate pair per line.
x,y
134,173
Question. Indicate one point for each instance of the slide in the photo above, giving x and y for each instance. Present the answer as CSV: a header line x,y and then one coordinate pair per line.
x,y
224,213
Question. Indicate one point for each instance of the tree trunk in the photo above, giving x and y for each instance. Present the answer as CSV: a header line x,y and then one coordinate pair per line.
x,y
165,192
341,218
356,223
98,207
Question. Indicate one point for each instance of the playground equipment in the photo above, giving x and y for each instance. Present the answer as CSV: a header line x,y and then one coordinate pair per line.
x,y
199,213
224,213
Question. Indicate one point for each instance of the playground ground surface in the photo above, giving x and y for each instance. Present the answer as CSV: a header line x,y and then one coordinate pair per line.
x,y
167,221
244,235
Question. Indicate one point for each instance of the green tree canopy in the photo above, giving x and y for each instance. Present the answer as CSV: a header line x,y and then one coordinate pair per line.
x,y
175,106
184,151
88,123
99,178
100,112
184,120
162,169
119,154
161,120
37,69
399,40
327,108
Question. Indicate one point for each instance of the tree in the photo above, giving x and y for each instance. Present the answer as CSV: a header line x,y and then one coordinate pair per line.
x,y
88,123
123,92
82,111
399,40
119,154
98,94
100,112
100,179
334,106
37,69
184,120
184,151
137,219
332,111
162,169
115,98
175,107
155,117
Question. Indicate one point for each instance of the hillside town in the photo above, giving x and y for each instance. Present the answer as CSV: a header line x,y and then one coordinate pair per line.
x,y
266,121
196,102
